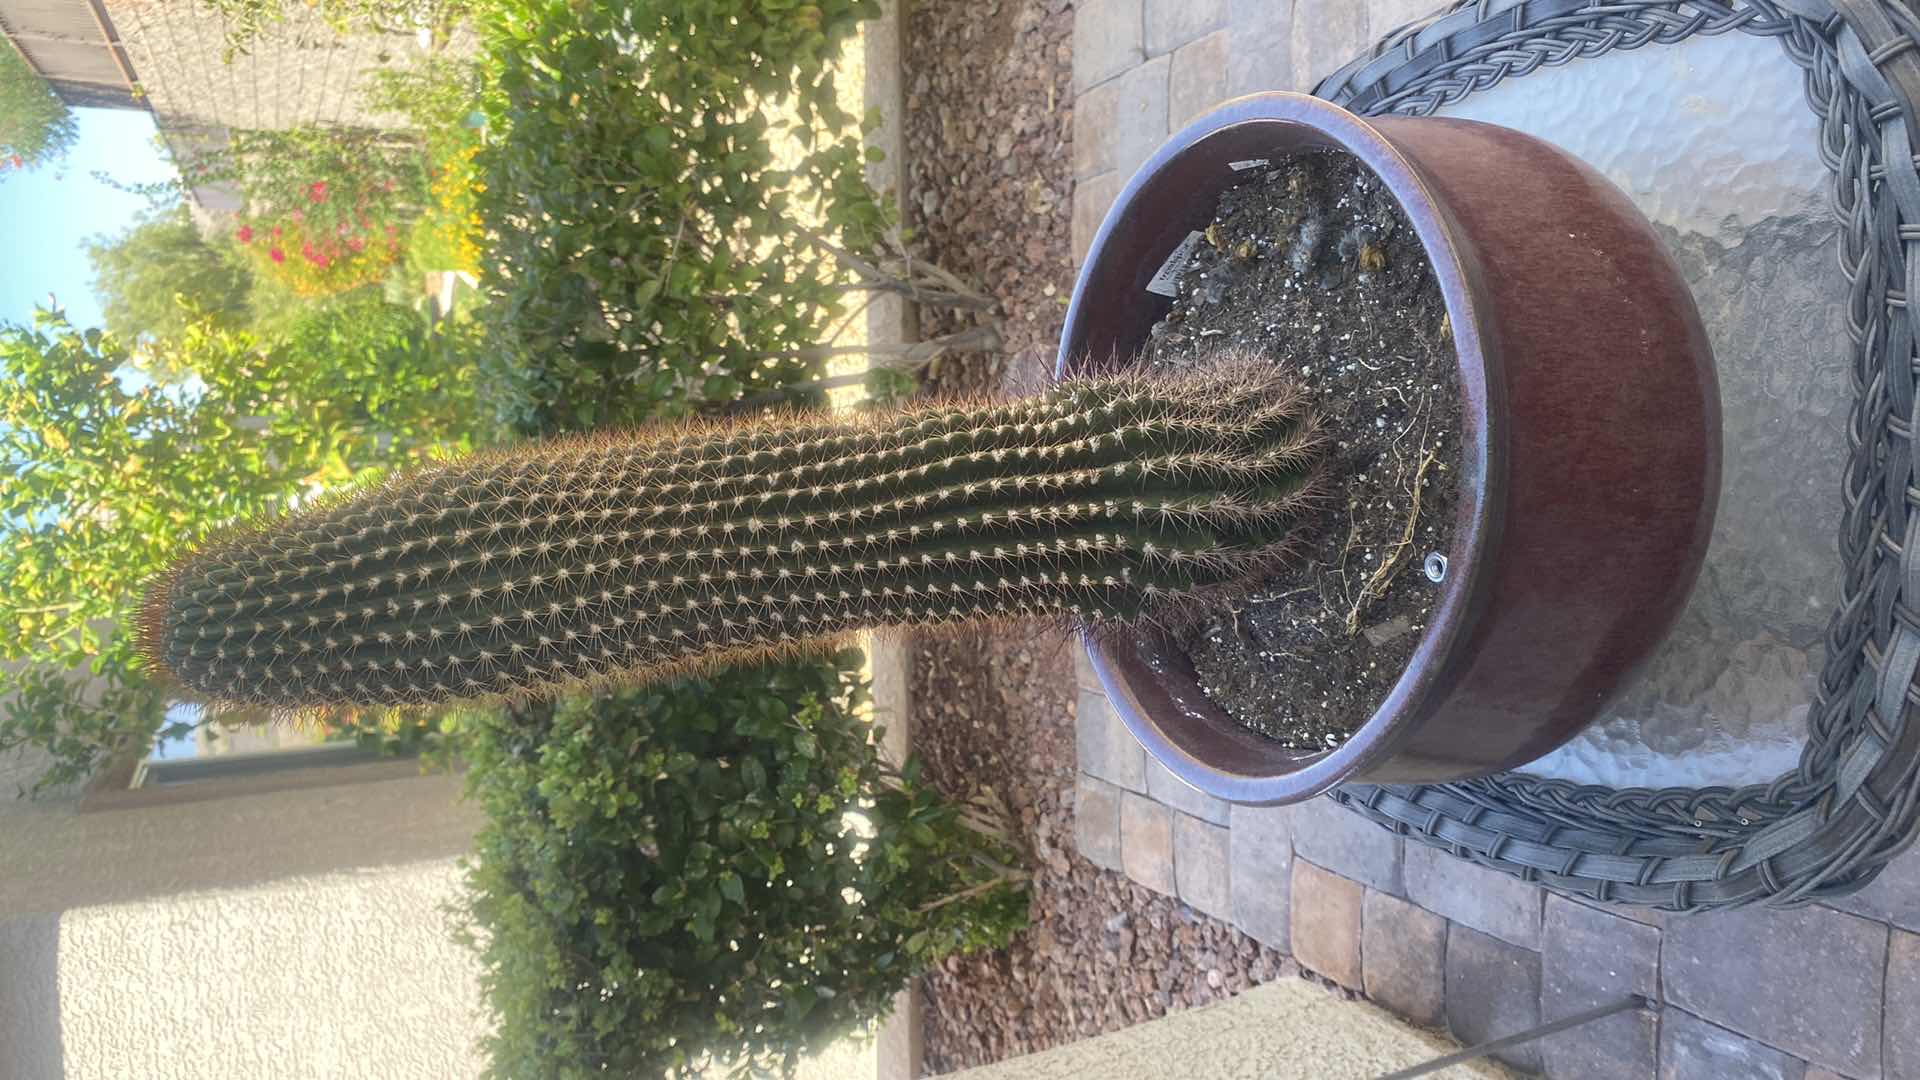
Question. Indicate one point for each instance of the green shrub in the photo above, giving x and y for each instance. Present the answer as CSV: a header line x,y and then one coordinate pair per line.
x,y
643,256
162,274
36,127
393,372
667,874
101,480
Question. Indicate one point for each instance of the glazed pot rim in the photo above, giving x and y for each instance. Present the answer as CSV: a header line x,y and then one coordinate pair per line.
x,y
1260,770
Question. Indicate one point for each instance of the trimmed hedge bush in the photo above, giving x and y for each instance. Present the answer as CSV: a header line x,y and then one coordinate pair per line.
x,y
671,876
645,260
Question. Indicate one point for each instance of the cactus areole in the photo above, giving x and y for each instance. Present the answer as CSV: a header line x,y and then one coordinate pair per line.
x,y
1119,499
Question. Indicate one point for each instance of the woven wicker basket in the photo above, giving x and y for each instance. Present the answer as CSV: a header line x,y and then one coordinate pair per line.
x,y
1829,826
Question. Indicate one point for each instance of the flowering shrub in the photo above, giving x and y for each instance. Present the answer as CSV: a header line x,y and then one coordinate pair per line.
x,y
326,210
314,264
447,236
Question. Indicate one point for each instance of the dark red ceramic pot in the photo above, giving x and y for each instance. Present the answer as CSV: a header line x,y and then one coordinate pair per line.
x,y
1591,457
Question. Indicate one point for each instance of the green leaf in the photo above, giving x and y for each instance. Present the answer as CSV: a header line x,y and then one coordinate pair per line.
x,y
753,774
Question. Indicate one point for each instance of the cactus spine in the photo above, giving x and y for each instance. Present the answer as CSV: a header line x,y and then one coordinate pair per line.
x,y
1120,498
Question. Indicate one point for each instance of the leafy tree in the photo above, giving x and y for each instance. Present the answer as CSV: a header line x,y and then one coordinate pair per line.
x,y
36,127
161,275
101,475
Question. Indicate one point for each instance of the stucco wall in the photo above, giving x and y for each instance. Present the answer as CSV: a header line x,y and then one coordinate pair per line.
x,y
298,71
349,974
221,939
343,974
57,860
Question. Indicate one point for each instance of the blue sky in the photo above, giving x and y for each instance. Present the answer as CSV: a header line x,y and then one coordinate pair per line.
x,y
47,214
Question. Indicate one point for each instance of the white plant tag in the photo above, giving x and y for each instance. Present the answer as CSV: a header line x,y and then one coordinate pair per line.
x,y
1243,166
1166,280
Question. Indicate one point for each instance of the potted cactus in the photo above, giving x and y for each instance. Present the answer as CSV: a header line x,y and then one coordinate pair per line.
x,y
1117,501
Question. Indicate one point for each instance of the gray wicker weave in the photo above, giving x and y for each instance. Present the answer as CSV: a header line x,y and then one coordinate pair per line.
x,y
1829,826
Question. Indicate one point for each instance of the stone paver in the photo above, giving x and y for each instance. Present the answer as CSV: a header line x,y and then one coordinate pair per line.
x,y
1808,981
1326,914
1346,843
1202,866
1903,1006
1493,990
1894,896
1107,40
1260,846
1490,902
1643,915
1692,1049
1177,793
1084,676
1146,842
1106,748
1096,821
1386,16
1403,958
1172,23
1260,57
1326,34
1092,198
1095,112
1118,124
1197,81
1588,959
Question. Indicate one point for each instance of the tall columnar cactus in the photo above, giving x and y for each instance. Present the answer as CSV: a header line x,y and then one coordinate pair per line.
x,y
1121,498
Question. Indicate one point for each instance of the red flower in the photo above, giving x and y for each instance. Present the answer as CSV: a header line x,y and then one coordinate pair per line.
x,y
276,254
355,244
244,234
298,216
15,161
276,232
317,192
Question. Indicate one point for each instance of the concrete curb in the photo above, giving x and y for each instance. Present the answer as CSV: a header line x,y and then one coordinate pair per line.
x,y
898,1044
